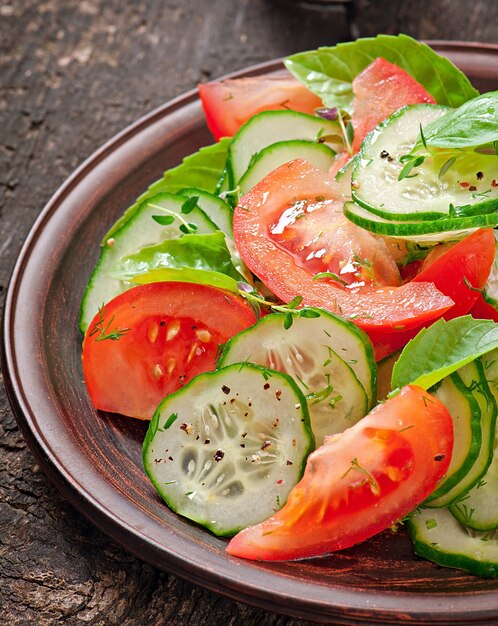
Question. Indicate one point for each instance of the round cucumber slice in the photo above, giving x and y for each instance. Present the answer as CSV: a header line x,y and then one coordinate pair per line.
x,y
138,231
434,231
275,155
434,189
479,508
438,536
217,210
473,379
269,127
226,449
331,362
466,416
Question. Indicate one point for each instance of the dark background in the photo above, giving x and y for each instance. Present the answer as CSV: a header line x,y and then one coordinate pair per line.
x,y
72,74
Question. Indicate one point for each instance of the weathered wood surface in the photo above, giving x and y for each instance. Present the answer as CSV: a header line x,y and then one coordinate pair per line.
x,y
73,73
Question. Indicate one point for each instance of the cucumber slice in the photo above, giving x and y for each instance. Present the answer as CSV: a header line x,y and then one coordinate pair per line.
x,y
421,232
330,360
428,195
344,177
479,507
466,415
226,449
200,169
138,231
439,537
276,154
473,378
268,127
217,210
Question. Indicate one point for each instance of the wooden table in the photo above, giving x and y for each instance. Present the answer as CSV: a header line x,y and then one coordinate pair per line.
x,y
73,73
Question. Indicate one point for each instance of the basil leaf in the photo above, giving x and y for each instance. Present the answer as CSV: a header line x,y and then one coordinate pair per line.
x,y
202,170
200,252
329,71
475,123
443,348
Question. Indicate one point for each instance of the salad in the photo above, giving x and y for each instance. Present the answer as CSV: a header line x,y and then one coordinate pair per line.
x,y
306,310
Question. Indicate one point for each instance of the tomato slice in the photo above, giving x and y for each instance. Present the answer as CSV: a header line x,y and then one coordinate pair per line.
x,y
460,270
152,339
275,201
379,90
229,103
484,310
359,482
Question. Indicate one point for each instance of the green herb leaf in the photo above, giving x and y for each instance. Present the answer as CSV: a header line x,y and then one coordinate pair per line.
x,y
189,205
443,348
331,275
288,321
410,164
294,303
474,123
308,313
164,220
329,71
446,166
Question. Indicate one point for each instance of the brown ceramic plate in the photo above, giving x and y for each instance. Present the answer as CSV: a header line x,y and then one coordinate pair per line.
x,y
95,459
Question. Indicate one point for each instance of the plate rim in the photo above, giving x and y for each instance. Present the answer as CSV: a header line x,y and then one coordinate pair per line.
x,y
357,605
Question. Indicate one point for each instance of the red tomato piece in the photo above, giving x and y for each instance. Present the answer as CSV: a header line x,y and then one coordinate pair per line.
x,y
359,482
484,310
277,257
460,270
230,103
379,90
152,339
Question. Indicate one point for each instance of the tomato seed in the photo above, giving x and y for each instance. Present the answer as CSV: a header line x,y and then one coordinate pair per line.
x,y
153,332
157,371
203,335
173,330
193,352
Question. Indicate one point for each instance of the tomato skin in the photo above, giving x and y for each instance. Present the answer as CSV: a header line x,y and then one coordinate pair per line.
x,y
359,482
171,333
379,90
484,310
230,103
451,268
384,308
460,270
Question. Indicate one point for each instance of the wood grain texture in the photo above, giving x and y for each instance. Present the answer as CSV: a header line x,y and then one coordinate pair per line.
x,y
73,74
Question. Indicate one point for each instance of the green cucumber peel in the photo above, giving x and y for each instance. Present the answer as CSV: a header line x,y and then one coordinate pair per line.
x,y
443,348
329,71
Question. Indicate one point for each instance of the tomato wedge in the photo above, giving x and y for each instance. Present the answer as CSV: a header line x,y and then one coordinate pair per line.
x,y
379,90
359,482
152,339
229,103
460,270
484,310
271,206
